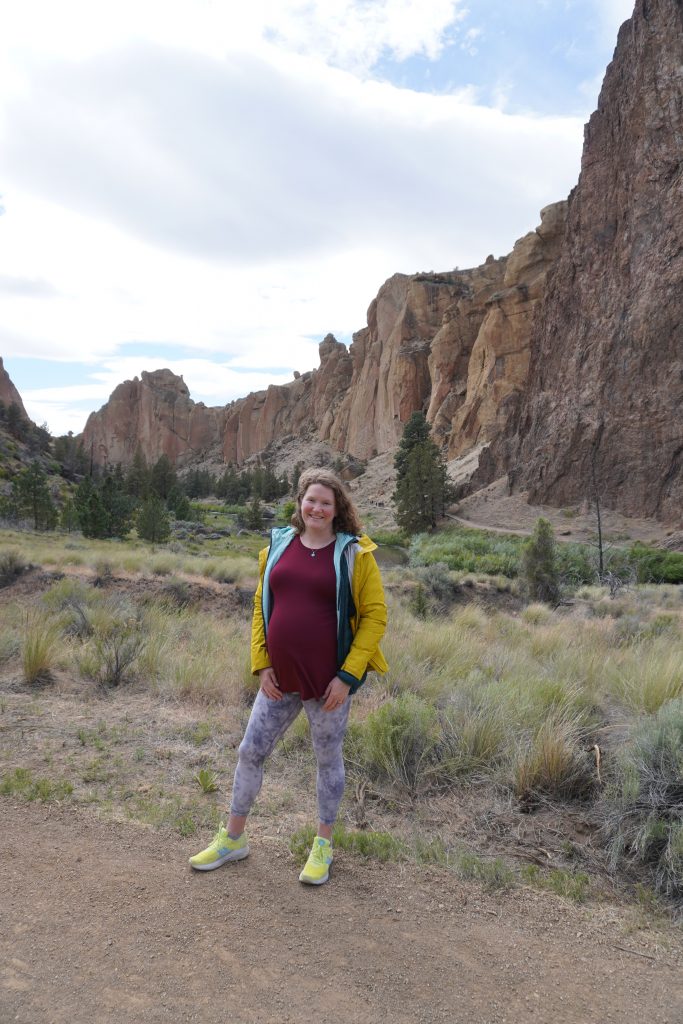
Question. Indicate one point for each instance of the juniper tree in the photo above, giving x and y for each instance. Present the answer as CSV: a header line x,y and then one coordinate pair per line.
x,y
31,497
422,487
153,523
539,564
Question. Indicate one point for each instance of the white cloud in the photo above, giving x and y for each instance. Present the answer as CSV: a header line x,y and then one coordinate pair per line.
x,y
239,162
355,34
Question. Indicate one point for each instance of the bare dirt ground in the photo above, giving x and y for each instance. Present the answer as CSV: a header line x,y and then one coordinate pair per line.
x,y
493,508
105,922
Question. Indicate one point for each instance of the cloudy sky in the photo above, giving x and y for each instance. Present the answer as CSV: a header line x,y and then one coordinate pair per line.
x,y
213,186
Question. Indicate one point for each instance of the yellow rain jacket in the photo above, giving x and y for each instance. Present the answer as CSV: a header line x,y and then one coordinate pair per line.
x,y
361,609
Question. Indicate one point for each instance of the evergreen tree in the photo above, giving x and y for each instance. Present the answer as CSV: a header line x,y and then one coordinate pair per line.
x,y
539,564
164,477
31,497
422,487
15,421
254,515
118,506
68,519
138,477
70,455
92,515
228,486
179,504
415,432
153,523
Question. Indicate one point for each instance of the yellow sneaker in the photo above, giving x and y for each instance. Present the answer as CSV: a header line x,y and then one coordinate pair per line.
x,y
317,868
219,851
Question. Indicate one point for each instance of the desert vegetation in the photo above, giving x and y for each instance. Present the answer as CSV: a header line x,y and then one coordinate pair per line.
x,y
513,741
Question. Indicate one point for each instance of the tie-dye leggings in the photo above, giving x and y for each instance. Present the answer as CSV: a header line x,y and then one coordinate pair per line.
x,y
268,722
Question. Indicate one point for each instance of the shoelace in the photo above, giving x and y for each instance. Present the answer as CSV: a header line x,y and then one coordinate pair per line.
x,y
220,839
318,853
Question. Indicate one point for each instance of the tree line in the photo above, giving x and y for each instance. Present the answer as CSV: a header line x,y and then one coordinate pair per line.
x,y
107,504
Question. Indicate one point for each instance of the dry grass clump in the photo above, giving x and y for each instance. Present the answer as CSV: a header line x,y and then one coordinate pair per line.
x,y
12,565
10,645
553,761
646,676
537,614
643,805
474,736
39,648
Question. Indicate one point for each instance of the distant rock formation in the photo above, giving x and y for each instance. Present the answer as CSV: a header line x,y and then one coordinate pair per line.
x,y
605,386
156,413
454,344
8,392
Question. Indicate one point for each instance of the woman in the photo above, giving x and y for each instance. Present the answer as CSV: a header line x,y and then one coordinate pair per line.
x,y
319,615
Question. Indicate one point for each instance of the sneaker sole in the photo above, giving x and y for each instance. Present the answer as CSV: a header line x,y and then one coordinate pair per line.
x,y
316,881
233,855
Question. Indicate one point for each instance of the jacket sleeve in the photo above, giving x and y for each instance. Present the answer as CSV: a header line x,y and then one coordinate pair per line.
x,y
370,621
259,654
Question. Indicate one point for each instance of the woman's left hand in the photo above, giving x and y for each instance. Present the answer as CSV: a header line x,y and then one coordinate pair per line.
x,y
335,694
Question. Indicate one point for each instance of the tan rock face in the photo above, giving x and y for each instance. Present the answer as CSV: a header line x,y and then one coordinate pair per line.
x,y
498,366
157,413
390,357
8,392
606,374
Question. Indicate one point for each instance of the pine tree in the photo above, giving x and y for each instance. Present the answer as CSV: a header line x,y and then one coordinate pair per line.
x,y
164,477
118,506
68,519
153,523
31,497
539,564
90,509
422,487
254,516
138,478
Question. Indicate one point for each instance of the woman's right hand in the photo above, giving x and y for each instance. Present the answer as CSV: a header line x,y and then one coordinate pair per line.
x,y
269,684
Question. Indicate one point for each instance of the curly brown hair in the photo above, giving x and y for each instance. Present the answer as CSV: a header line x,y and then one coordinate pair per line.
x,y
346,516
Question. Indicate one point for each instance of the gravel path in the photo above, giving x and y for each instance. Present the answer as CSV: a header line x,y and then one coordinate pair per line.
x,y
104,922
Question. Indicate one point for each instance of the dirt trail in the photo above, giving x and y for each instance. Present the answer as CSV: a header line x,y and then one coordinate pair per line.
x,y
104,922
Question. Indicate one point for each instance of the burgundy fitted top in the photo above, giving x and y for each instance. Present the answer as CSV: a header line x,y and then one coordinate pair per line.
x,y
302,631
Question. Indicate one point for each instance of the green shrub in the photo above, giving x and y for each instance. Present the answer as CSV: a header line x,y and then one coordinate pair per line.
x,y
657,565
643,805
473,736
12,565
207,781
111,656
399,742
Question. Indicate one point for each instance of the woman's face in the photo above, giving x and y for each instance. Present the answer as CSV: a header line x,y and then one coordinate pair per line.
x,y
318,508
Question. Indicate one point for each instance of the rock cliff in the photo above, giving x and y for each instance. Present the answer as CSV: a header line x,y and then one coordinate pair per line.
x,y
423,335
605,383
157,413
8,392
